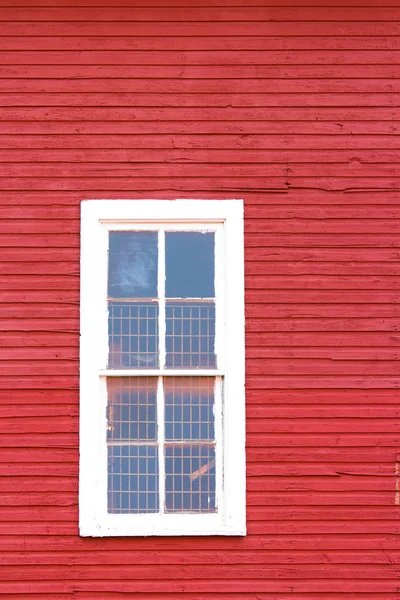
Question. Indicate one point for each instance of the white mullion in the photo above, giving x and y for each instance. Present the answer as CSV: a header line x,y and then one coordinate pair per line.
x,y
160,440
161,355
161,297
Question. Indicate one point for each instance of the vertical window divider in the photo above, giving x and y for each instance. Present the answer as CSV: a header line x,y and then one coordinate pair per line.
x,y
160,386
161,297
160,440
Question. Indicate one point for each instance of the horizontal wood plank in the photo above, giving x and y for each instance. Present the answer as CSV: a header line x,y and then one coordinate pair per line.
x,y
196,13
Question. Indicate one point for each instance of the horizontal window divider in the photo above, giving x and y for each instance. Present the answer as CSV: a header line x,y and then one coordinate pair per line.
x,y
189,443
134,300
156,300
151,443
190,300
166,442
161,372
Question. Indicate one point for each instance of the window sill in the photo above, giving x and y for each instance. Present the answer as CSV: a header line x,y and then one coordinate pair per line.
x,y
154,524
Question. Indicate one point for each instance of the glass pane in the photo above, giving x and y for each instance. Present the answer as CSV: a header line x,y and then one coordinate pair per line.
x,y
189,408
190,334
189,258
132,479
190,478
133,335
132,268
132,408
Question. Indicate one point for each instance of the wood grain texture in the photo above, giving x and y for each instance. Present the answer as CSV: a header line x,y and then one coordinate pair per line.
x,y
293,107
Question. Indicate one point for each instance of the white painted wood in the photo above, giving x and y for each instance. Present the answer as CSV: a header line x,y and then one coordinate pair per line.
x,y
156,211
154,225
161,296
92,388
155,372
219,283
157,524
234,393
219,445
225,217
160,440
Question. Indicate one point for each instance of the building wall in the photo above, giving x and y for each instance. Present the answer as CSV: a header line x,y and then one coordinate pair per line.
x,y
294,109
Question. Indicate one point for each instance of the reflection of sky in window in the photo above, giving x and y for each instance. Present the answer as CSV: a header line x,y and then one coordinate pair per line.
x,y
133,268
189,264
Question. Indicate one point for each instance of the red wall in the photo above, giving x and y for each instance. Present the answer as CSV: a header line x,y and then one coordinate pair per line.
x,y
295,110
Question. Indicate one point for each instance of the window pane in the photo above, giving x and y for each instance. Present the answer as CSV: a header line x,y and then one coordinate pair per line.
x,y
190,478
132,479
189,258
132,268
190,334
189,408
132,409
133,335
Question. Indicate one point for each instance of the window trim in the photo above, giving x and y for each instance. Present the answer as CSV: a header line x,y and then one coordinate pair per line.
x,y
96,216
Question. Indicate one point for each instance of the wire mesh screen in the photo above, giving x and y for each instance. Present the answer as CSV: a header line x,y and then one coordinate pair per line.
x,y
189,408
133,335
189,459
190,334
132,409
132,479
190,478
132,468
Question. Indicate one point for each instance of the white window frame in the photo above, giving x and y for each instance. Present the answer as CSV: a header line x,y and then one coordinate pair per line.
x,y
226,218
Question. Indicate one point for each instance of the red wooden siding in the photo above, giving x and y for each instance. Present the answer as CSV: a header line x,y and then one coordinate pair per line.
x,y
294,109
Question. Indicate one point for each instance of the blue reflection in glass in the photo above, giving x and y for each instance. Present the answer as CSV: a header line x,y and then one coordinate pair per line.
x,y
131,409
190,335
132,479
133,335
132,266
189,408
189,258
190,479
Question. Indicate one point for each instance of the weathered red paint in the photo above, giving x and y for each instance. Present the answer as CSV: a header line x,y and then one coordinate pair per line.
x,y
294,109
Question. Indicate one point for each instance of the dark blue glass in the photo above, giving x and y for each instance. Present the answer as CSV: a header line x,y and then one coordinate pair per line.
x,y
132,335
190,479
132,479
190,335
189,259
189,408
132,265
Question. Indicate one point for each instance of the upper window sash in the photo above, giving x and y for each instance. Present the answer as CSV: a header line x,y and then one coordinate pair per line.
x,y
162,229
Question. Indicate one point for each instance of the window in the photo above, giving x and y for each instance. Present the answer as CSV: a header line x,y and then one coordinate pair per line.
x,y
162,368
